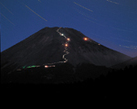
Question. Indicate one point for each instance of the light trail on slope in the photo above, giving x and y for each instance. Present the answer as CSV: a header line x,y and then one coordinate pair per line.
x,y
66,45
63,56
66,52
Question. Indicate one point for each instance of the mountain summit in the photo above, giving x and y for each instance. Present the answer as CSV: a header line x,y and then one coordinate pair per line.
x,y
59,45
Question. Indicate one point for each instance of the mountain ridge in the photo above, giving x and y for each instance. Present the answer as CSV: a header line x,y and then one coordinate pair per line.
x,y
47,46
128,63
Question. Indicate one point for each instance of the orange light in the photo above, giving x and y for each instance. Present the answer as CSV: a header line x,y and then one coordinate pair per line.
x,y
66,45
85,38
68,39
46,66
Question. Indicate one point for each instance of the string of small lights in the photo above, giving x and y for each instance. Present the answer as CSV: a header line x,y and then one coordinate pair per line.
x,y
48,65
66,52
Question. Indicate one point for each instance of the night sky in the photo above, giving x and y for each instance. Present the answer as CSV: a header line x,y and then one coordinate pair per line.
x,y
112,23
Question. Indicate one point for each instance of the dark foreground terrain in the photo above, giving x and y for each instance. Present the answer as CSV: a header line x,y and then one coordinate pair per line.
x,y
116,85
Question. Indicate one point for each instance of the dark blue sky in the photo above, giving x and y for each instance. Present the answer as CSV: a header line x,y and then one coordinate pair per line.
x,y
112,23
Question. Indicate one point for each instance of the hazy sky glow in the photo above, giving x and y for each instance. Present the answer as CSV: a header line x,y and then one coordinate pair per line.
x,y
112,23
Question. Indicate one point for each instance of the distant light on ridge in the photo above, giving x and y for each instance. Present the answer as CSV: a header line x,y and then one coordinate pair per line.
x,y
85,38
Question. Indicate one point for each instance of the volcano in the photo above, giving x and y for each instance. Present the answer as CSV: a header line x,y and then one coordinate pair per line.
x,y
65,62
57,54
58,46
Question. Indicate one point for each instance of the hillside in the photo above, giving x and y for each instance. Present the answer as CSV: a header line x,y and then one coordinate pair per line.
x,y
47,46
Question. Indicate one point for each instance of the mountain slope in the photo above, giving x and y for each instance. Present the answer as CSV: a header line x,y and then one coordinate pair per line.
x,y
132,61
47,46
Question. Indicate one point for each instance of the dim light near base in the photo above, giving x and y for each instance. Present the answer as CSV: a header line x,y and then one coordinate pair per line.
x,y
18,69
46,66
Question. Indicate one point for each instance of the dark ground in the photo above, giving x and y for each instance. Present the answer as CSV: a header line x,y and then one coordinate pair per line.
x,y
116,85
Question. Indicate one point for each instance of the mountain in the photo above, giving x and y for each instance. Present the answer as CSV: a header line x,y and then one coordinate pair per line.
x,y
57,62
128,63
49,45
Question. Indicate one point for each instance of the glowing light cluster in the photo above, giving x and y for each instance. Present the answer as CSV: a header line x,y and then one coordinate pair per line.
x,y
68,39
85,38
53,64
63,56
46,66
66,45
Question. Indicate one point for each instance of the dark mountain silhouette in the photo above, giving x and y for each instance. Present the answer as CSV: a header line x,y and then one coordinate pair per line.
x,y
128,63
86,58
45,46
117,85
86,73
